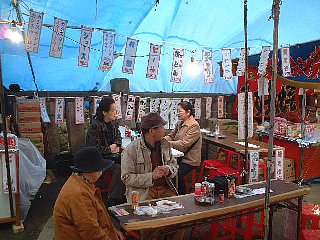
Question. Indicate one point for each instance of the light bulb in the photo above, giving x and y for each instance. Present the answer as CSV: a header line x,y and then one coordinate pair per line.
x,y
193,69
15,36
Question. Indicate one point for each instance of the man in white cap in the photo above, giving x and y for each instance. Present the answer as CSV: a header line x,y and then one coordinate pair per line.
x,y
79,211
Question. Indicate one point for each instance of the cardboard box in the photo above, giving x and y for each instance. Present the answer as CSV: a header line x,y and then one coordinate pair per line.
x,y
28,105
25,117
34,127
225,125
35,138
289,169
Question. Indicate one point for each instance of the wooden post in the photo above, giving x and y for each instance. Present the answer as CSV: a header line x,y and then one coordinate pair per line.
x,y
275,15
4,122
76,133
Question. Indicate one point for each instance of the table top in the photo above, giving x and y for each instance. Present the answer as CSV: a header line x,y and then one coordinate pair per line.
x,y
230,142
281,191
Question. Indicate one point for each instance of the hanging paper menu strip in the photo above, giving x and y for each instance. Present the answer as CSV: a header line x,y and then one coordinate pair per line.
x,y
79,110
13,173
226,64
208,107
174,112
107,56
142,108
130,56
43,109
34,31
285,61
153,62
241,63
59,110
154,105
164,110
130,107
254,167
242,114
279,164
197,108
84,48
263,60
117,99
221,107
96,101
177,65
263,85
57,40
207,66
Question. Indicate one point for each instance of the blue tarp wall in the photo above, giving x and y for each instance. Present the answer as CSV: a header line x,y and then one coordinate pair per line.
x,y
190,24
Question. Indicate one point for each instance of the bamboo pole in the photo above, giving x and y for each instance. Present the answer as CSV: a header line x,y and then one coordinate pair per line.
x,y
6,152
275,15
245,170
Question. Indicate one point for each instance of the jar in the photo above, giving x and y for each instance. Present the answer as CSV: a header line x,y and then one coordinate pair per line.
x,y
221,196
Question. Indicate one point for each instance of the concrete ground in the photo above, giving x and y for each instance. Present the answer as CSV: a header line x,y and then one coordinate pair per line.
x,y
38,224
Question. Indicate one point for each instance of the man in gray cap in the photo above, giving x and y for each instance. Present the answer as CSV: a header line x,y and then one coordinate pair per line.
x,y
79,211
148,165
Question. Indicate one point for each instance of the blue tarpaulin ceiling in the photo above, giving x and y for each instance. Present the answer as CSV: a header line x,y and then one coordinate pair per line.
x,y
190,24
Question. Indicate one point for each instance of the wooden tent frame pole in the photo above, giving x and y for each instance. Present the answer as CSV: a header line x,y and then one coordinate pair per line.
x,y
6,152
245,165
275,15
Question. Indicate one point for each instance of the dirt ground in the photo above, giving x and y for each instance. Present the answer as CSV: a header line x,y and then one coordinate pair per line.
x,y
42,206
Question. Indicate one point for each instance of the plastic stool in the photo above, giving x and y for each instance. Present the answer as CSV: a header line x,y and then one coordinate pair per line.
x,y
310,216
309,234
107,182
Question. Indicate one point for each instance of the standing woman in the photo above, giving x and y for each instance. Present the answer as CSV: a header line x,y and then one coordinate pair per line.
x,y
104,134
186,137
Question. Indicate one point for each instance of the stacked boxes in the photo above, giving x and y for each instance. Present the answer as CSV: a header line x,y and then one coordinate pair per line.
x,y
288,169
227,126
29,119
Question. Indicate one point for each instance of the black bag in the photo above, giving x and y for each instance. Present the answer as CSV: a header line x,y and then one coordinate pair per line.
x,y
221,182
116,157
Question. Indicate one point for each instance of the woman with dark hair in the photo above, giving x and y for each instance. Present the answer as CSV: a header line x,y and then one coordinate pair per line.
x,y
186,137
104,134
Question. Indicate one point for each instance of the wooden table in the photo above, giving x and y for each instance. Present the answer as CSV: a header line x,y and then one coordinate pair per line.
x,y
193,215
229,142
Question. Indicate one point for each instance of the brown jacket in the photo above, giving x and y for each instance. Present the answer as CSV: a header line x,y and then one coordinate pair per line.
x,y
183,136
79,213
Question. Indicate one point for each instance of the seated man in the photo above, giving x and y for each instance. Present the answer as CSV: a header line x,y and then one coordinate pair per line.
x,y
148,165
79,212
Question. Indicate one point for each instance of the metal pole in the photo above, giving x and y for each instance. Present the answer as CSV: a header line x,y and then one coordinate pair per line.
x,y
275,15
303,126
245,172
6,152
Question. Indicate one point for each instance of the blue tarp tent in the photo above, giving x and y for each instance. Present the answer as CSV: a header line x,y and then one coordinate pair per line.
x,y
189,24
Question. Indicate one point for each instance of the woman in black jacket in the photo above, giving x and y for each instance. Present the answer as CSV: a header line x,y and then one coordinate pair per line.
x,y
104,134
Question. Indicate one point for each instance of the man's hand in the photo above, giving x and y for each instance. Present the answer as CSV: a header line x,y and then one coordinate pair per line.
x,y
165,169
114,148
157,173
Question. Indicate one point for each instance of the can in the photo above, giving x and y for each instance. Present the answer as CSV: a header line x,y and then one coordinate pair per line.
x,y
221,196
197,190
211,189
135,197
